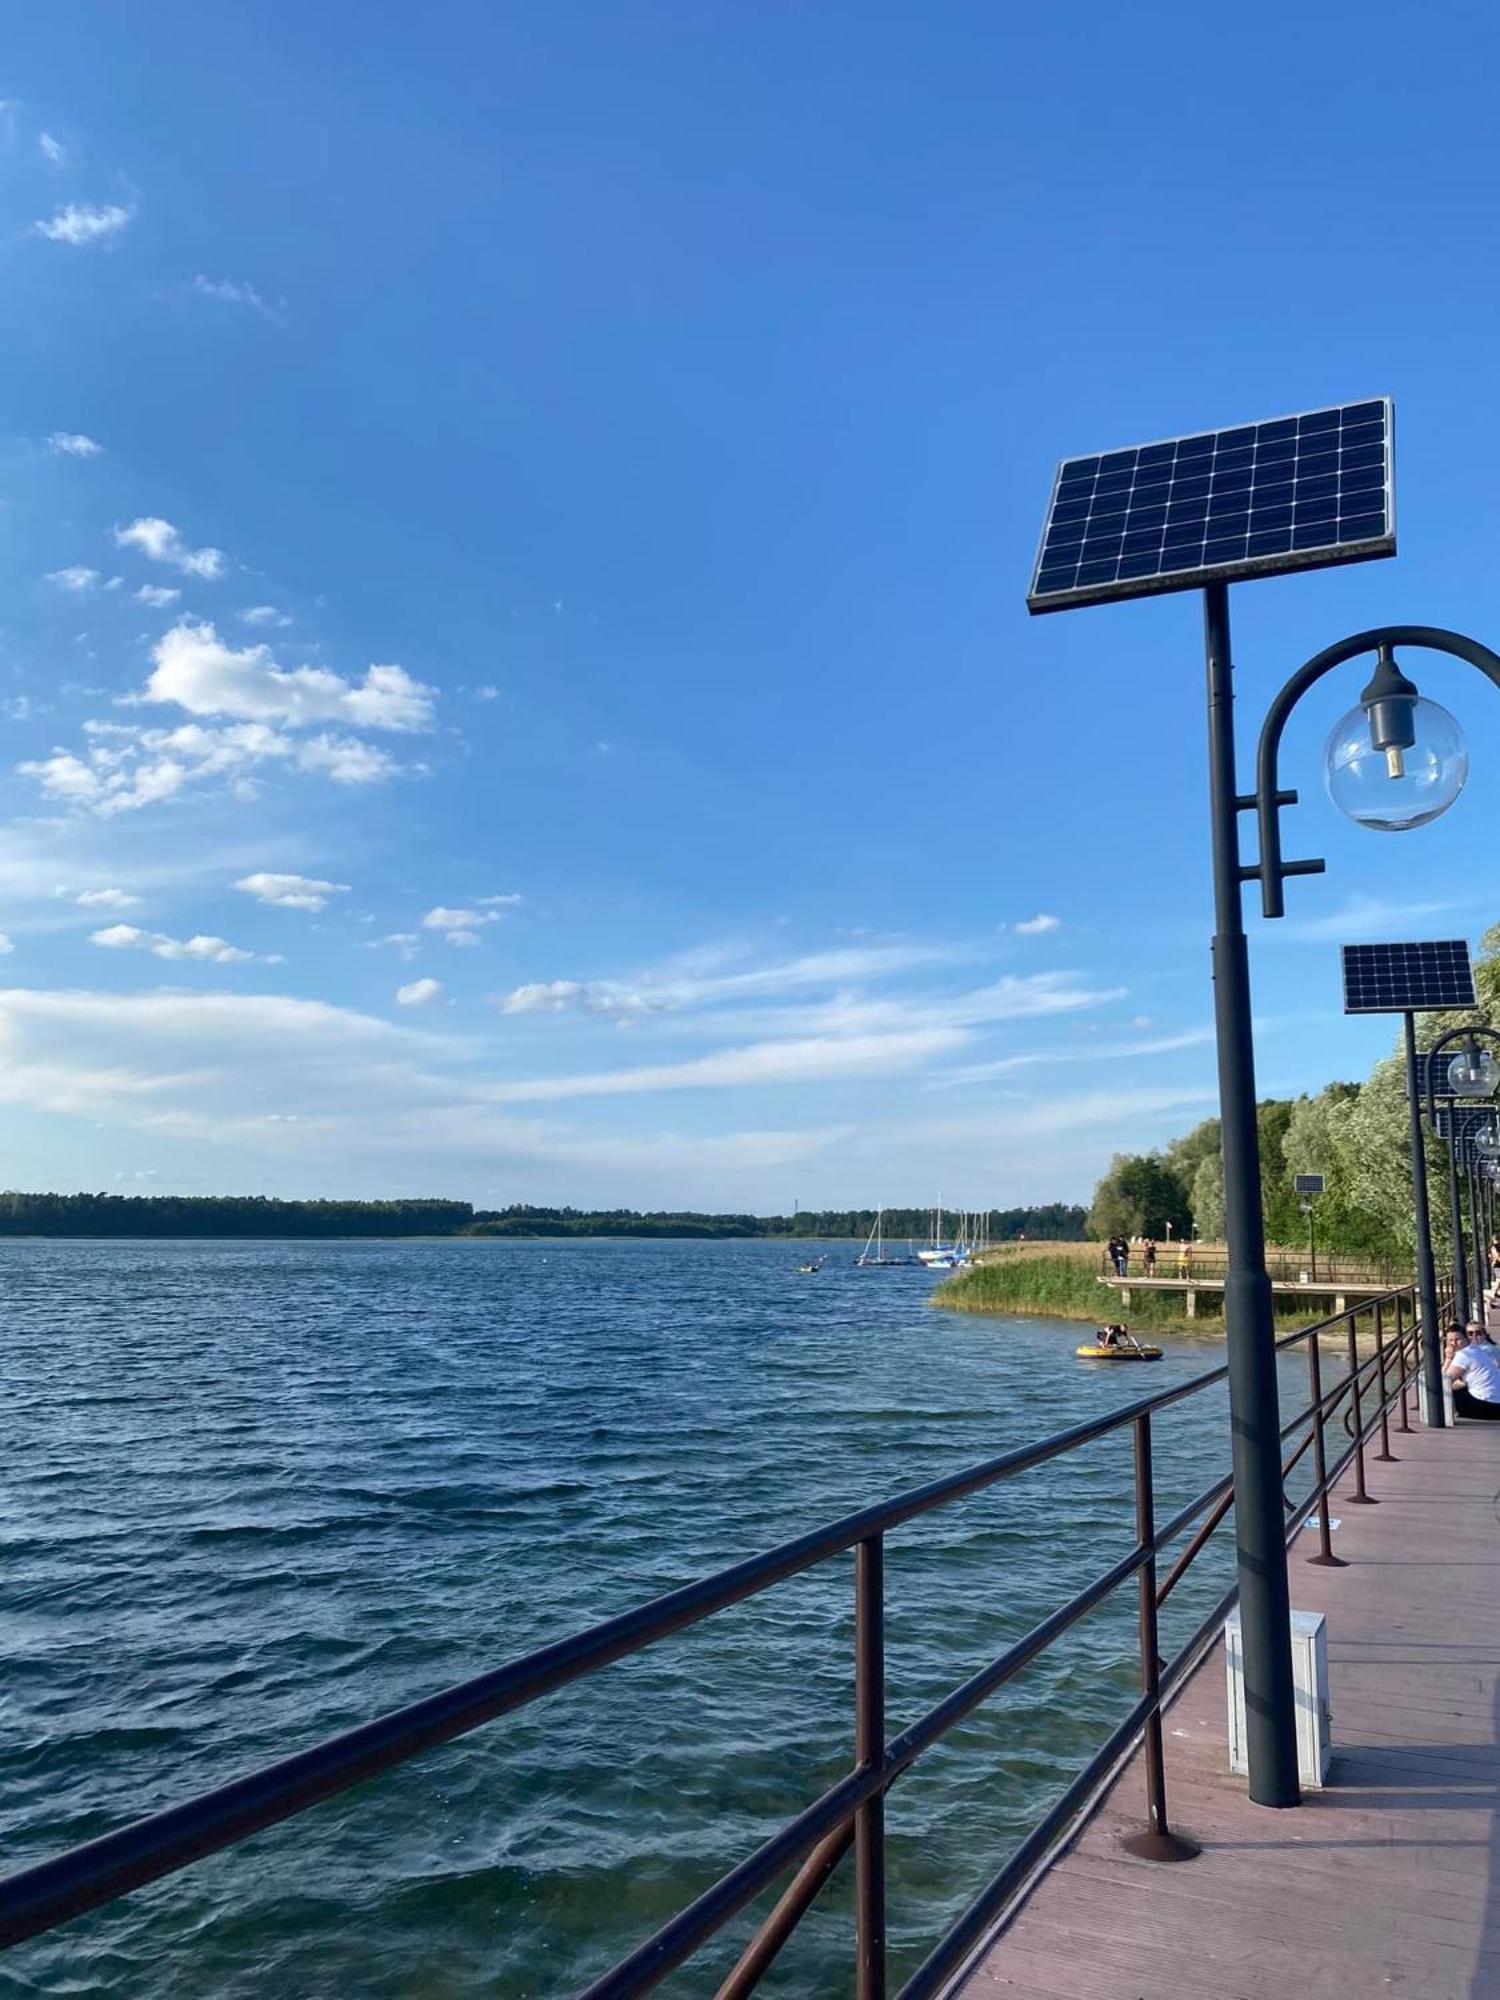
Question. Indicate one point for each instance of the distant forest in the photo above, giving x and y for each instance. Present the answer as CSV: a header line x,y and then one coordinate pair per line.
x,y
262,1215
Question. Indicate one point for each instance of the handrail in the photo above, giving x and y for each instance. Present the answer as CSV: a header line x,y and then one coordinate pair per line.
x,y
850,1811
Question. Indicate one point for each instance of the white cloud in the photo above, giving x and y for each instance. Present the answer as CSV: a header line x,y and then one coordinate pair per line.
x,y
419,993
290,892
159,541
489,692
1038,926
73,444
462,927
107,899
157,595
125,768
51,149
77,577
234,292
81,222
206,950
263,614
195,669
6,947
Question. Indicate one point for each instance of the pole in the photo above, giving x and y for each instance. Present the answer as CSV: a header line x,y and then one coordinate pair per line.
x,y
1474,1205
1432,1359
1312,1241
1254,1415
1456,1219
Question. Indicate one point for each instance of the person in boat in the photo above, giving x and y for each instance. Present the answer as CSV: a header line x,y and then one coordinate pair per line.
x,y
1473,1367
1113,1335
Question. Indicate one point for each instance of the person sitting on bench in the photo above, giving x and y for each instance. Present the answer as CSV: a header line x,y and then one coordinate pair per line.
x,y
1473,1367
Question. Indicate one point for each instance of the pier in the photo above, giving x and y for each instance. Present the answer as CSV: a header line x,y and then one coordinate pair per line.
x,y
1385,1881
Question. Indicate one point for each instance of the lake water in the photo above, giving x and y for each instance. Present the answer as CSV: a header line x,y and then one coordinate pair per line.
x,y
257,1492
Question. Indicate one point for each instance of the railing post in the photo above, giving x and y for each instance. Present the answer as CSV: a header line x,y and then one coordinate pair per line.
x,y
1385,1453
1401,1359
1360,1497
869,1751
1158,1842
1325,1558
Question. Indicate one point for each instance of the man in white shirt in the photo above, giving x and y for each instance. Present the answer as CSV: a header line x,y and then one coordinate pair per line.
x,y
1473,1367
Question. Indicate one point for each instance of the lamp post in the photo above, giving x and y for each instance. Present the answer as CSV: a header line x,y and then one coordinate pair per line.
x,y
1471,1073
1395,761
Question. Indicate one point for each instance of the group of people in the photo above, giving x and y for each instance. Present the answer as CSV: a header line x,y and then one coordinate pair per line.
x,y
1118,1251
1471,1361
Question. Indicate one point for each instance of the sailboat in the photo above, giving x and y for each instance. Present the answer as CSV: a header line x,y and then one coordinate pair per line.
x,y
940,1256
874,1250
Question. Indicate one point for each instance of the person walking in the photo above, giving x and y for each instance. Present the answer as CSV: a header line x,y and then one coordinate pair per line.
x,y
1148,1258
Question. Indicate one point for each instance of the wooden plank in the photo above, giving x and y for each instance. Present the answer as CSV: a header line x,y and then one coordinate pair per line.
x,y
1382,1881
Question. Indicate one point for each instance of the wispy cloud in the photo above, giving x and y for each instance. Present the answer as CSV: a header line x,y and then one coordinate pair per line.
x,y
235,292
205,950
77,577
157,595
405,943
290,892
1358,919
159,541
1038,925
51,149
82,222
1061,1061
73,444
263,614
819,1059
693,980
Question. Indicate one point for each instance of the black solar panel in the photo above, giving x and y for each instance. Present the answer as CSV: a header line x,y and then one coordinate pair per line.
x,y
1407,978
1299,492
1307,1183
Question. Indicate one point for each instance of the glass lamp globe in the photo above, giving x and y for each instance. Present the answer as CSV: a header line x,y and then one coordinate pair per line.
x,y
1399,786
1473,1073
1487,1145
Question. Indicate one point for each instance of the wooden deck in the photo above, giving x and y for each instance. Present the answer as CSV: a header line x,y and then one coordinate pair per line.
x,y
1386,1882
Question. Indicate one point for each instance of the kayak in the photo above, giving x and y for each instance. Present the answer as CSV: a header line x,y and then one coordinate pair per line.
x,y
1119,1355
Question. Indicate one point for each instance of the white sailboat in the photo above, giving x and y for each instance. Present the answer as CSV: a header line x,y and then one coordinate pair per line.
x,y
874,1251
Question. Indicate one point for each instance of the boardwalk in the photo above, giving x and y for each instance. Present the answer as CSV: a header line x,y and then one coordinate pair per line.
x,y
1387,1882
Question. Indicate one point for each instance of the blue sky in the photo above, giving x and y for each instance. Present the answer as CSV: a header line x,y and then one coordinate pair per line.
x,y
514,672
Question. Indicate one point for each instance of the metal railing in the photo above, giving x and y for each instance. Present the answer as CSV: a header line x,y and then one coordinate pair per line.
x,y
851,1812
1283,1266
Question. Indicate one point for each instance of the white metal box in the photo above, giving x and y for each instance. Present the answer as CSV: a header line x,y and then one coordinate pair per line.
x,y
1310,1681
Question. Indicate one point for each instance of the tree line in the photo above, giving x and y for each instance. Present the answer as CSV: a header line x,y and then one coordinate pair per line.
x,y
266,1216
1355,1134
1052,1221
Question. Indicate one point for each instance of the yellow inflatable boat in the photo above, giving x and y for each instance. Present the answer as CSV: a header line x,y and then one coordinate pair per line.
x,y
1116,1343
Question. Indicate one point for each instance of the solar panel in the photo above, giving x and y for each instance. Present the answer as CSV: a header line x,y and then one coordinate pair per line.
x,y
1407,978
1307,1183
1300,492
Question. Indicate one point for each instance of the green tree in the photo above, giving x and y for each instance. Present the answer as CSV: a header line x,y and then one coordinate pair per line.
x,y
1139,1196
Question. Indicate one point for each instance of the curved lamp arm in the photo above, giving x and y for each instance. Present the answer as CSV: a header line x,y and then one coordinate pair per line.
x,y
1475,1032
1269,799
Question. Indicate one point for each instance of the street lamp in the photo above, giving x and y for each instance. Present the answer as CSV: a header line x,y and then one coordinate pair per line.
x,y
1472,1074
1293,493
